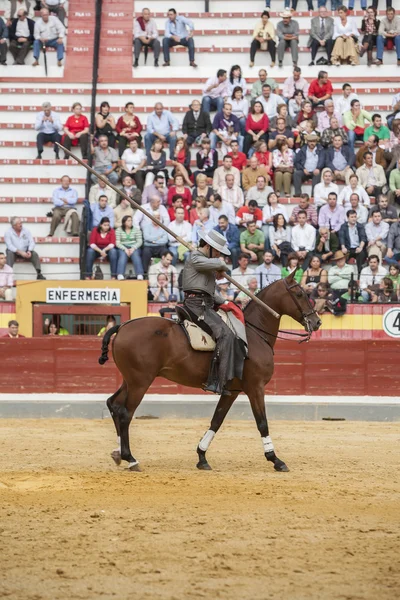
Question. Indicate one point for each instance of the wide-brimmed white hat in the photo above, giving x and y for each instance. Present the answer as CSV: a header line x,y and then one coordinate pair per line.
x,y
286,14
215,240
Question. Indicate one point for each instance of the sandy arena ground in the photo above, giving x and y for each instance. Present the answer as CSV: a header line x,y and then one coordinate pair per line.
x,y
74,526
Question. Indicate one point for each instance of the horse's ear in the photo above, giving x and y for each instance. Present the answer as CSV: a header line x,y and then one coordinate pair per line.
x,y
290,278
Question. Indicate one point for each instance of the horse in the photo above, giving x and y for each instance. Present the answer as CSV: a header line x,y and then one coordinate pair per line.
x,y
149,347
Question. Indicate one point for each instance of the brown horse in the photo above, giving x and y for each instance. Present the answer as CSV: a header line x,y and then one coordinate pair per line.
x,y
146,348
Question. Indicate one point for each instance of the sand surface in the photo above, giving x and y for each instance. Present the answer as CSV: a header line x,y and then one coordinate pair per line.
x,y
72,525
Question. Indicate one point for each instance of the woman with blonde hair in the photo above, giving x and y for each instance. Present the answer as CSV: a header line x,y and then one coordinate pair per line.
x,y
263,39
345,34
202,188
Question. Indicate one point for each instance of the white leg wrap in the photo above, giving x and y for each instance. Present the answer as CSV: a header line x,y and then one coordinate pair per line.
x,y
133,464
268,445
206,440
118,448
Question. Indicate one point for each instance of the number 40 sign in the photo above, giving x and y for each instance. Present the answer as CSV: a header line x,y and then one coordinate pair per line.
x,y
391,322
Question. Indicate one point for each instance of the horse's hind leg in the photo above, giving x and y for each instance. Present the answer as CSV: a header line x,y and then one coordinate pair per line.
x,y
117,399
125,414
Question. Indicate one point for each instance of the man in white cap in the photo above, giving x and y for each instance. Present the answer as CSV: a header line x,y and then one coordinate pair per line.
x,y
287,31
199,286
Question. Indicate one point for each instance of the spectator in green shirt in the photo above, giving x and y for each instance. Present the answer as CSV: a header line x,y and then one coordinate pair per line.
x,y
252,242
293,263
394,185
377,128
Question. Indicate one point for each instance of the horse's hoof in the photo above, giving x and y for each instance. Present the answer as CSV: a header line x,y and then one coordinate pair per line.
x,y
203,466
135,468
116,456
281,467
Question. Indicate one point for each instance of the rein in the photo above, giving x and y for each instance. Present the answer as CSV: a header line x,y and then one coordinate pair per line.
x,y
277,336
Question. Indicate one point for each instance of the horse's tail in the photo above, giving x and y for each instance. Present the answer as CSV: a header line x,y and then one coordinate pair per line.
x,y
104,346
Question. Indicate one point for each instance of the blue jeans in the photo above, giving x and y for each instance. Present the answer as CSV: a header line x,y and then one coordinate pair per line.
x,y
169,43
393,261
38,45
91,256
214,139
208,104
112,177
123,260
353,137
381,43
174,252
362,2
150,138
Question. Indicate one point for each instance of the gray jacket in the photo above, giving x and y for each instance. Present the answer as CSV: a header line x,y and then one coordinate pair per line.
x,y
315,32
199,273
393,241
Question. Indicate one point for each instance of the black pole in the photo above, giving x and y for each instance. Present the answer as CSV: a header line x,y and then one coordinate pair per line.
x,y
207,6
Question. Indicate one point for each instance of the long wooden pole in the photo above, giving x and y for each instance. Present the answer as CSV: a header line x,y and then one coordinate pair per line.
x,y
157,222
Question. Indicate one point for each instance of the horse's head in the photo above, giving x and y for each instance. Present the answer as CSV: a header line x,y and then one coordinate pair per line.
x,y
296,304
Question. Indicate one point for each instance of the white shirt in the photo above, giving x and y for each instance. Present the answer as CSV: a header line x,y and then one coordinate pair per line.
x,y
233,195
51,30
19,5
270,105
269,212
322,191
161,210
22,29
349,29
374,231
303,237
344,196
237,83
150,30
240,108
241,277
184,230
133,159
367,278
226,209
343,104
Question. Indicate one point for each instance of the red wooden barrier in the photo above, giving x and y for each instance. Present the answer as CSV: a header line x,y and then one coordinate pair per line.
x,y
322,367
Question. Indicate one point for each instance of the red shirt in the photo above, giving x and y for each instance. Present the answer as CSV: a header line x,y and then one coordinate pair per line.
x,y
319,91
187,196
240,161
263,158
136,126
95,238
256,126
244,210
7,335
171,212
76,124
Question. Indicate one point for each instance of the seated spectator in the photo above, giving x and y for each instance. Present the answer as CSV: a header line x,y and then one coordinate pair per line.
x,y
260,192
321,296
128,187
252,286
293,84
394,184
129,239
76,131
283,113
279,238
161,292
13,7
165,267
321,35
389,29
267,272
249,214
328,135
178,31
295,104
263,79
215,92
239,159
304,130
331,214
157,188
257,125
124,209
252,242
105,161
203,224
377,233
352,239
102,245
353,188
48,126
378,155
314,275
155,208
169,311
110,322
283,162
389,213
393,245
21,35
324,117
20,244
226,128
326,244
6,279
206,160
155,242
202,188
156,161
269,101
354,122
181,161
387,291
50,32
281,134
340,160
345,36
309,162
361,210
263,39
263,156
273,208
341,274
105,124
240,107
133,162
288,35
13,330
102,209
323,189
371,177
306,114
55,7
393,145
377,128
231,233
369,29
181,227
231,193
303,239
394,275
196,124
226,169
236,79
243,271
161,124
219,208
102,189
304,205
179,189
252,173
343,104
320,89
128,128
146,34
293,265
371,276
177,202
64,199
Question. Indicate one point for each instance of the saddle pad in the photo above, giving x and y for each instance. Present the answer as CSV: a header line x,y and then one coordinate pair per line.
x,y
199,339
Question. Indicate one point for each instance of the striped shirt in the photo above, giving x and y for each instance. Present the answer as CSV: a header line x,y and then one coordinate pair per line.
x,y
131,239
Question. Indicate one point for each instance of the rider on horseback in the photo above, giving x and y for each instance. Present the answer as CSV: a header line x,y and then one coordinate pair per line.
x,y
200,298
